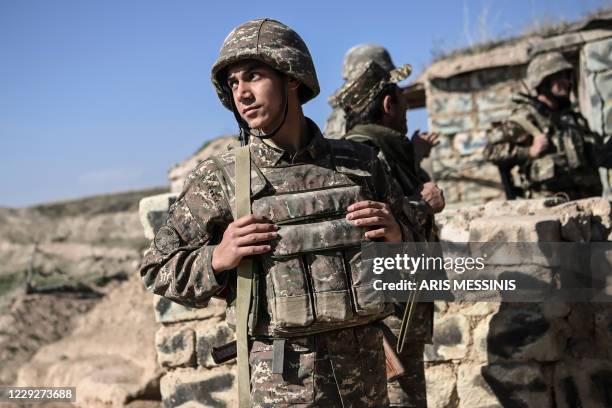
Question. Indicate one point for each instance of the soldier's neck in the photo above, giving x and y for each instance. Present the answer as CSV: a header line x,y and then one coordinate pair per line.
x,y
294,134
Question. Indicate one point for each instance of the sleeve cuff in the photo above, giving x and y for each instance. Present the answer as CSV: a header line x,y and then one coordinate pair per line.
x,y
211,283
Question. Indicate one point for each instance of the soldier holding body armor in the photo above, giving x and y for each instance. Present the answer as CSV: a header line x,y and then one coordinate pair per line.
x,y
376,115
309,330
551,144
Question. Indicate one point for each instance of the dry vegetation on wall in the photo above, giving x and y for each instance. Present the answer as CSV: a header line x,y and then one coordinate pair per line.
x,y
479,37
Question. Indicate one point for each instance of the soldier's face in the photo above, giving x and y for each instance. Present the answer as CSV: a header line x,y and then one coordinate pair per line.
x,y
259,94
561,84
401,123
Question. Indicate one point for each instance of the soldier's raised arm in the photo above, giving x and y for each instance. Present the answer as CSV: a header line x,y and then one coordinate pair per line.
x,y
178,264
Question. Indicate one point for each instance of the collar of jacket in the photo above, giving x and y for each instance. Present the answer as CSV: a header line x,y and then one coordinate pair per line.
x,y
265,154
395,146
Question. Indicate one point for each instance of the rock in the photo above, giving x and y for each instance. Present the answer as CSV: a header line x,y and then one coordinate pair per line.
x,y
555,310
479,308
110,356
167,311
450,340
153,212
211,333
523,334
518,385
200,387
536,228
583,383
472,390
499,208
441,384
179,172
480,340
175,347
598,209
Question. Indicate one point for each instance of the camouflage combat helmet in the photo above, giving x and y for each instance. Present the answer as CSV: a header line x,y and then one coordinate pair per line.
x,y
368,82
361,55
545,65
272,43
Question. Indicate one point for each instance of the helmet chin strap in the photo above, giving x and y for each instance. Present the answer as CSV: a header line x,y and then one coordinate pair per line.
x,y
246,131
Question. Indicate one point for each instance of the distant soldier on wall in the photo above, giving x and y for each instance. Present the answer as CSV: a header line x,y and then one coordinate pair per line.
x,y
376,115
552,145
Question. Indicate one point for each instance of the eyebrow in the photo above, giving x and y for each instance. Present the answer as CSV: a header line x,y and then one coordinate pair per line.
x,y
247,68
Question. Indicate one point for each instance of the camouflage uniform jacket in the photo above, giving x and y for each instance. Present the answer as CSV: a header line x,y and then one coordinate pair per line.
x,y
400,161
568,166
178,263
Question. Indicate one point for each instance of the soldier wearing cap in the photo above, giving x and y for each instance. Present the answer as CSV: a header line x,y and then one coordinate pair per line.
x,y
290,271
555,151
376,115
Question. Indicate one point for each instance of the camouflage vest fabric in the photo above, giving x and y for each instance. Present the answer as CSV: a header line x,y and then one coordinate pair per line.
x,y
312,280
566,163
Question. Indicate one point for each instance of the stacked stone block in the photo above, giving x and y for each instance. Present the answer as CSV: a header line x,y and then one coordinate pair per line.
x,y
461,109
186,336
491,354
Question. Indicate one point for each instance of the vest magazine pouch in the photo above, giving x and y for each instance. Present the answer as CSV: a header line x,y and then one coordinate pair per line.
x,y
288,293
309,205
367,300
332,300
542,169
315,237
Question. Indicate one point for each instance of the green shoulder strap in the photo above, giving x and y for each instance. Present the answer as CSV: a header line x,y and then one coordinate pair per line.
x,y
245,278
525,124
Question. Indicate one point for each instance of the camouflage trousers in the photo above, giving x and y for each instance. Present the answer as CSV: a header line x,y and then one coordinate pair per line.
x,y
410,391
343,368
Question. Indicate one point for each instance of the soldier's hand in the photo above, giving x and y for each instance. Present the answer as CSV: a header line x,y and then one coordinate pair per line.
x,y
423,142
378,216
243,237
433,196
540,144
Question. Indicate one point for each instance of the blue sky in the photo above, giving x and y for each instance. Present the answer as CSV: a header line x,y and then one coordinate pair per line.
x,y
104,96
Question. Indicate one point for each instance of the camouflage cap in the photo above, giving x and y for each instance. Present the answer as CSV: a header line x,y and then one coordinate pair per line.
x,y
362,54
273,43
545,65
369,80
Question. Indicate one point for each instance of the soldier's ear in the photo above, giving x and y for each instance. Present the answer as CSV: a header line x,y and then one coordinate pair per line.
x,y
389,105
293,84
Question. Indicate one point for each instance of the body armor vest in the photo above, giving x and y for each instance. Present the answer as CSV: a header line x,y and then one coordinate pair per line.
x,y
312,281
566,163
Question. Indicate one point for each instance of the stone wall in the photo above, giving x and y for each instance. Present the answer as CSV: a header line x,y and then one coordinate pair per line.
x,y
483,354
518,354
461,109
596,92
